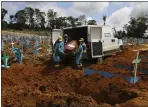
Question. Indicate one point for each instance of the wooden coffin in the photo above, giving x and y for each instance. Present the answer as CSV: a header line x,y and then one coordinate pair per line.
x,y
71,47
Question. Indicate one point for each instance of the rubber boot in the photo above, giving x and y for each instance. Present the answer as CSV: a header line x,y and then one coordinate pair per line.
x,y
81,65
57,67
78,67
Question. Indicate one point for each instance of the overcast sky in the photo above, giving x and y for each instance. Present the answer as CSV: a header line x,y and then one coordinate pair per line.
x,y
118,13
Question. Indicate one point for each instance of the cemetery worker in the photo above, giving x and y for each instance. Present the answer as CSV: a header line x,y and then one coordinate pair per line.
x,y
84,49
66,39
79,53
58,52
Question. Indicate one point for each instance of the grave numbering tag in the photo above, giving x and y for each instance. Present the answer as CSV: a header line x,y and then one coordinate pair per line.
x,y
136,62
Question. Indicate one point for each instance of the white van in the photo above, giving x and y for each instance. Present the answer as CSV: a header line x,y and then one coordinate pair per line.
x,y
99,39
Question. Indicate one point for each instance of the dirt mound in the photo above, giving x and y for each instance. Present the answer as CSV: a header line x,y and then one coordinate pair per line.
x,y
21,85
35,83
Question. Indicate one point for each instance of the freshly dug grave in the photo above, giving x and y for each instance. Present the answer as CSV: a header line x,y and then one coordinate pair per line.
x,y
35,83
30,85
123,58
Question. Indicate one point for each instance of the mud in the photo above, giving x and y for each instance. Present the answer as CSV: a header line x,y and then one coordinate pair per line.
x,y
35,83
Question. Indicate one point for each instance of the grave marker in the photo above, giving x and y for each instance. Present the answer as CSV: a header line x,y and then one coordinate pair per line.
x,y
5,61
136,62
12,44
20,56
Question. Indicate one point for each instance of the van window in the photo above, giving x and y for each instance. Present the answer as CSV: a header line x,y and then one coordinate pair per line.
x,y
96,33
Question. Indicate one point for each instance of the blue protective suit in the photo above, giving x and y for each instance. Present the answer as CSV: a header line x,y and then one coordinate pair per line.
x,y
79,54
58,52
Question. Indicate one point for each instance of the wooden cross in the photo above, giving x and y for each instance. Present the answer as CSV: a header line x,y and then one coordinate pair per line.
x,y
136,62
12,43
5,60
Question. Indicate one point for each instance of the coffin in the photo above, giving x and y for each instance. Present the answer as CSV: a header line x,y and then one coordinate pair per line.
x,y
71,47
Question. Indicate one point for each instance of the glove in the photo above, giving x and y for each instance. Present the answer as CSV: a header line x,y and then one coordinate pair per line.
x,y
84,51
74,54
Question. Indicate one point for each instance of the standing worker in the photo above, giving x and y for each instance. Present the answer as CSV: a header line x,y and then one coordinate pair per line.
x,y
84,49
66,39
79,53
58,52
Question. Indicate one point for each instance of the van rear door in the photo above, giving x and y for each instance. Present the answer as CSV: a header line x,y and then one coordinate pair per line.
x,y
96,44
55,34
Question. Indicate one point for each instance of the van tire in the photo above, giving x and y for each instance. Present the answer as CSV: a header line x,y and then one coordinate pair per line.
x,y
121,48
94,60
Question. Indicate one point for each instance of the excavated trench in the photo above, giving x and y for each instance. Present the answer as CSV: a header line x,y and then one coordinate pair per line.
x,y
114,96
53,89
111,94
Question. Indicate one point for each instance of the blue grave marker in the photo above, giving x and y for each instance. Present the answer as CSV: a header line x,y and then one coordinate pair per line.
x,y
36,51
18,53
27,44
20,56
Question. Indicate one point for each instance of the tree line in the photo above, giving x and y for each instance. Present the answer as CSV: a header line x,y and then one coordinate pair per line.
x,y
34,19
30,18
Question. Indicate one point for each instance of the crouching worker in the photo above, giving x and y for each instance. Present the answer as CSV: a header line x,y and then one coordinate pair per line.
x,y
78,54
58,52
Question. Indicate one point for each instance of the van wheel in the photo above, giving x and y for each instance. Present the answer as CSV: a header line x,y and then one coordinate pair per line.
x,y
100,60
121,48
94,60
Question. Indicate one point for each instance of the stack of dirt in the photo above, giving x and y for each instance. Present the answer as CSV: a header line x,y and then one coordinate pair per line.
x,y
35,83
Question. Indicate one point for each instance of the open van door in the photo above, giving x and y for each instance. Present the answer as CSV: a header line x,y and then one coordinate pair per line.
x,y
55,34
96,43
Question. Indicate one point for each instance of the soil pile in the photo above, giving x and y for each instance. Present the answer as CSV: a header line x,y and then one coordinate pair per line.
x,y
35,83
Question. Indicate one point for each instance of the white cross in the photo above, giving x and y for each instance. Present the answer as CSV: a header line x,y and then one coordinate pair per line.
x,y
12,43
136,61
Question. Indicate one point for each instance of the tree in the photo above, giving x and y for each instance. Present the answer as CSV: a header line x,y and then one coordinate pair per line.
x,y
60,22
29,13
82,19
4,24
73,21
11,19
104,19
3,13
92,22
120,34
51,15
137,27
39,19
20,17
